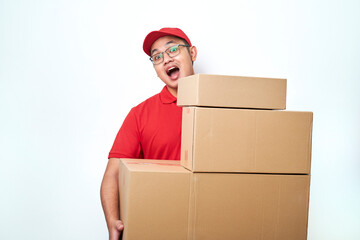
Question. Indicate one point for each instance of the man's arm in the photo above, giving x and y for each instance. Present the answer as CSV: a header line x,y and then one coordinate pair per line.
x,y
110,198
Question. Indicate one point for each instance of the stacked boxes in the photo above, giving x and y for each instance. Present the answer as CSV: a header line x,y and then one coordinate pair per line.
x,y
244,171
250,164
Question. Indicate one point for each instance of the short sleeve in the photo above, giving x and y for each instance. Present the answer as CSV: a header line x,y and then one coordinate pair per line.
x,y
127,141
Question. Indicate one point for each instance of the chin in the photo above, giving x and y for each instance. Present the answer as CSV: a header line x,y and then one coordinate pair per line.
x,y
172,84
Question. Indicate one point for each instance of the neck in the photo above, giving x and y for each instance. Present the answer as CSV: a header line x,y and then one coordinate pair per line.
x,y
173,91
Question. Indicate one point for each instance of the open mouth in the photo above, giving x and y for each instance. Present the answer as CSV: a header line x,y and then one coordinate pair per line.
x,y
173,72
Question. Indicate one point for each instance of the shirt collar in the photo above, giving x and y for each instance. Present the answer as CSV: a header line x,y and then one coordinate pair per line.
x,y
166,97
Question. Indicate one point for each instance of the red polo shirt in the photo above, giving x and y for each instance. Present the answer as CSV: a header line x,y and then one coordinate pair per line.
x,y
151,130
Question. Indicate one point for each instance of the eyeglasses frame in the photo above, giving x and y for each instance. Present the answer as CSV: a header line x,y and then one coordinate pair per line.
x,y
166,51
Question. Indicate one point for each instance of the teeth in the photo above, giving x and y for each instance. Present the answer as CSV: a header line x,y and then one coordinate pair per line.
x,y
170,69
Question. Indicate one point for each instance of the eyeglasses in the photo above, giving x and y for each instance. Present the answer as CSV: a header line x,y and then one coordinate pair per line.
x,y
172,51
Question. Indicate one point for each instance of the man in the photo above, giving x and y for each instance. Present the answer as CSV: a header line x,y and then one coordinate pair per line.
x,y
151,130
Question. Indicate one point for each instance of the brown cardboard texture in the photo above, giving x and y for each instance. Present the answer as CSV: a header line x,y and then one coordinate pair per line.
x,y
154,199
161,200
249,206
248,141
232,91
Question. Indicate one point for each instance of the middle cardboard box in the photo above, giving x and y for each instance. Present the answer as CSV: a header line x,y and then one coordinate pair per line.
x,y
245,140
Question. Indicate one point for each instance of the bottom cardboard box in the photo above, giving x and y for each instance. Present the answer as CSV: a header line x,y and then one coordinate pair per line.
x,y
161,200
248,206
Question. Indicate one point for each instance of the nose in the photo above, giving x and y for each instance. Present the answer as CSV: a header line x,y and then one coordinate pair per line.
x,y
167,58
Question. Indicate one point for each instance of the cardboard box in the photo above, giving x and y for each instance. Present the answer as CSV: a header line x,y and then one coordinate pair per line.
x,y
154,199
232,91
249,206
248,141
161,200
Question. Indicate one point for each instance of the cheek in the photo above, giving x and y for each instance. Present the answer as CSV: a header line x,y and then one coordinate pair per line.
x,y
158,72
188,67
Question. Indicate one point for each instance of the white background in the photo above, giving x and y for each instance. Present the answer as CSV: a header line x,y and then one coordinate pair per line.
x,y
71,70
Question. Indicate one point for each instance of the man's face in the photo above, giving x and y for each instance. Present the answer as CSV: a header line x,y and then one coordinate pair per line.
x,y
171,69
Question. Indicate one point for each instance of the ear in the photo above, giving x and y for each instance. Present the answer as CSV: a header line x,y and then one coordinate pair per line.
x,y
193,53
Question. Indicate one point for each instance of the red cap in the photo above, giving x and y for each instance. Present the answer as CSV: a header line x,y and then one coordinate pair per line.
x,y
155,35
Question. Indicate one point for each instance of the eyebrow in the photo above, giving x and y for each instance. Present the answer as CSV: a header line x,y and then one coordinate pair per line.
x,y
169,42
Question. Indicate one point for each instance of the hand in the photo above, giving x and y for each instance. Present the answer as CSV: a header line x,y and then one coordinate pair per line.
x,y
115,230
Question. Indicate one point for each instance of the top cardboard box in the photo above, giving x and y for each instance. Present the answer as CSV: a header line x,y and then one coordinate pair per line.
x,y
232,92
